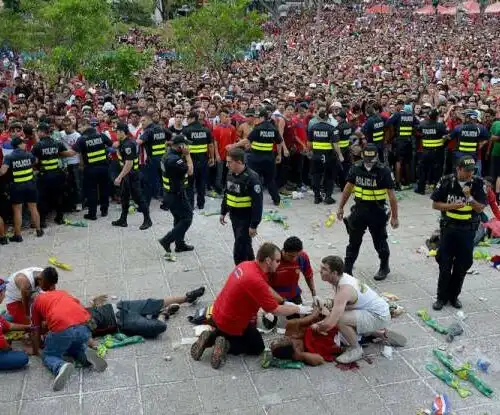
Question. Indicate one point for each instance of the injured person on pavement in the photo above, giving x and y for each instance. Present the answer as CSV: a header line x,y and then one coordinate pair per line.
x,y
357,310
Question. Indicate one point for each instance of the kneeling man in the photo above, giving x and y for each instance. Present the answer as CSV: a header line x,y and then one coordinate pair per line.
x,y
357,310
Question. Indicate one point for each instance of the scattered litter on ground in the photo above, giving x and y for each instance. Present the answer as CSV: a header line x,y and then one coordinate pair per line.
x,y
233,378
276,217
187,269
395,241
170,257
482,299
461,315
76,223
213,213
113,341
267,361
453,331
429,321
387,352
396,310
432,252
297,195
473,272
330,220
168,358
58,264
441,405
495,262
481,253
449,378
389,296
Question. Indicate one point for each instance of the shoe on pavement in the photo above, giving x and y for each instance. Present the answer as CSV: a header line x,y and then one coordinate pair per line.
x,y
456,303
119,222
382,274
200,345
146,224
171,310
63,376
219,352
16,238
352,354
317,200
184,248
39,233
395,339
4,240
97,362
438,304
192,296
330,201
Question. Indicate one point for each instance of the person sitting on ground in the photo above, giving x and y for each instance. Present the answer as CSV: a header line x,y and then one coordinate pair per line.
x,y
357,310
21,286
106,318
67,321
244,293
10,359
294,261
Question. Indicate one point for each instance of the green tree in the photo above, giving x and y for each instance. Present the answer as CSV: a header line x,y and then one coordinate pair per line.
x,y
136,12
119,68
212,35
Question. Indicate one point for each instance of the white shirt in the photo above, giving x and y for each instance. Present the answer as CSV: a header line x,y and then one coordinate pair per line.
x,y
70,140
12,291
368,299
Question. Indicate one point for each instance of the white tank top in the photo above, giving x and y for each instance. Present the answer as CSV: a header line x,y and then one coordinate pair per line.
x,y
12,292
368,299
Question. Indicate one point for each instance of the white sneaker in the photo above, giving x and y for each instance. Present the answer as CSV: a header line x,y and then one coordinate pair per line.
x,y
97,362
79,207
351,355
62,377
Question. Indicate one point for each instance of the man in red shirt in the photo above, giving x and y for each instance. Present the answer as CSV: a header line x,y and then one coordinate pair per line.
x,y
69,333
294,261
224,135
245,292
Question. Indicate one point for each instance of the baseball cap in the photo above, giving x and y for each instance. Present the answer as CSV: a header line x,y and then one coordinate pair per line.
x,y
370,152
121,126
471,113
180,139
468,163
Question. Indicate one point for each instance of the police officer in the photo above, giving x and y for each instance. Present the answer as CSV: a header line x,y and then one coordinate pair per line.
x,y
431,133
51,178
153,139
404,123
177,165
461,198
470,136
261,158
323,138
373,130
243,200
23,187
92,146
129,179
345,131
202,154
371,182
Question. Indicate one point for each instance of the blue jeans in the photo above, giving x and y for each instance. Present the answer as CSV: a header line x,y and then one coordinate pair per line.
x,y
13,359
72,341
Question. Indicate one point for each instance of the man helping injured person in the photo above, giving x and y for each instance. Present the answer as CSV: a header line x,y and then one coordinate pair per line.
x,y
357,310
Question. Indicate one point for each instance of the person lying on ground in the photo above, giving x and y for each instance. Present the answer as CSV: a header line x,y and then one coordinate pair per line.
x,y
357,310
107,318
68,331
244,293
10,359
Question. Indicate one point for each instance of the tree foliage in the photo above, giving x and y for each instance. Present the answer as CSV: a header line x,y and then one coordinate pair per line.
x,y
215,34
135,12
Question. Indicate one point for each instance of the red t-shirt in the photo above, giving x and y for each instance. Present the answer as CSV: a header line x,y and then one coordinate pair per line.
x,y
300,129
246,290
224,135
4,328
492,201
59,309
451,124
285,281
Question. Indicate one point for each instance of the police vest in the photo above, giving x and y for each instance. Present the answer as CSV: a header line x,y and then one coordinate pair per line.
x,y
95,150
171,183
467,142
265,140
405,129
345,132
157,142
429,136
321,137
49,156
22,168
366,187
199,139
463,214
238,191
121,156
378,129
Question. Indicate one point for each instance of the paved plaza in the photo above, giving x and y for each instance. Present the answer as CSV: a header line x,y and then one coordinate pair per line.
x,y
128,263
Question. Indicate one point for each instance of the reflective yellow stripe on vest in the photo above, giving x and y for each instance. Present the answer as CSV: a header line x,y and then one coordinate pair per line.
x,y
319,145
370,194
96,156
198,148
344,143
22,176
405,131
256,145
158,150
467,146
464,213
51,164
378,136
438,142
166,182
238,201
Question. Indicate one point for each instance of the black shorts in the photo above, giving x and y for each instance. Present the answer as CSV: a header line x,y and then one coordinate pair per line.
x,y
402,149
146,308
23,193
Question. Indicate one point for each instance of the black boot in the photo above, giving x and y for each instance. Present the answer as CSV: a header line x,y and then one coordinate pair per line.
x,y
147,223
183,247
59,219
330,200
383,271
317,199
40,233
120,222
4,240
